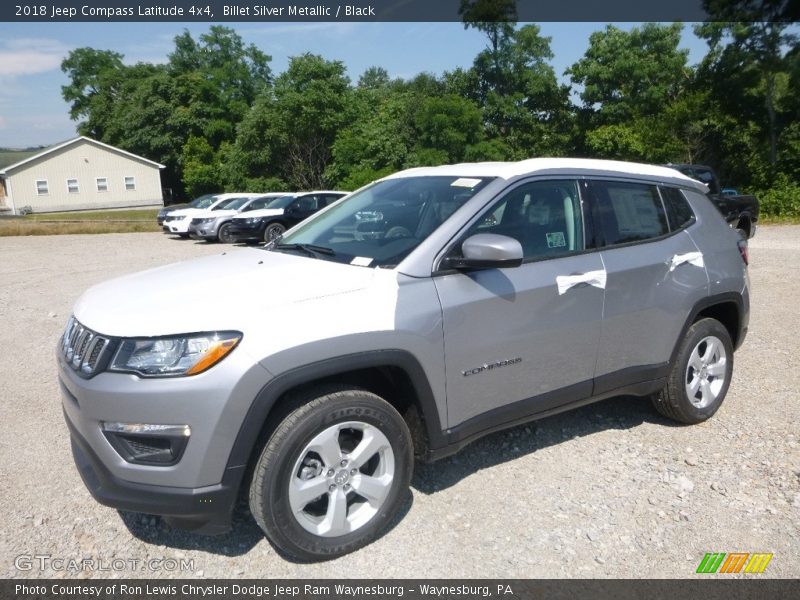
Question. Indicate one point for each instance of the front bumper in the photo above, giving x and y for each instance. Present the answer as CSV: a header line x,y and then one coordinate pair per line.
x,y
178,227
206,510
245,232
203,232
200,489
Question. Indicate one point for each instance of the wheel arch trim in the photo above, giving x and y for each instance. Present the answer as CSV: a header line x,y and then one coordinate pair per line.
x,y
266,400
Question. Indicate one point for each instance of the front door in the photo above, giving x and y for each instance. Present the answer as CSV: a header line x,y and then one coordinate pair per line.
x,y
523,340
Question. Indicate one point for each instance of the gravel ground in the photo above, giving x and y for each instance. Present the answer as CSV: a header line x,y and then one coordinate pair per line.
x,y
610,490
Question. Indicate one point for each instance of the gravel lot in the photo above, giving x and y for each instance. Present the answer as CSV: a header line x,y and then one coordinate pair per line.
x,y
610,490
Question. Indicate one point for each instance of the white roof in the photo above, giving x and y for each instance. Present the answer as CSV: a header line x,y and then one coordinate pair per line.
x,y
73,141
541,166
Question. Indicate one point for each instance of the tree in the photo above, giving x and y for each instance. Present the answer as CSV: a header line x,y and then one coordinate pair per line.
x,y
633,89
94,75
748,49
298,122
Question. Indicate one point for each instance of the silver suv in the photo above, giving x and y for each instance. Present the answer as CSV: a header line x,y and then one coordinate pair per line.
x,y
421,312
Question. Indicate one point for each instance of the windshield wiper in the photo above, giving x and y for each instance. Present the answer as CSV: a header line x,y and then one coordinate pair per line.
x,y
310,249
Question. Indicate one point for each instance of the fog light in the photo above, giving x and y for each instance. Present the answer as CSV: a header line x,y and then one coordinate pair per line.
x,y
144,443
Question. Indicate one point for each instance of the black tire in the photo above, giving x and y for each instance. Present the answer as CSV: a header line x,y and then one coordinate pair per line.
x,y
272,231
224,234
674,401
183,236
315,413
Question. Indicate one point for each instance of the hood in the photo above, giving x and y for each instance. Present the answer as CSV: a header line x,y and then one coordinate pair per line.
x,y
262,212
222,292
205,213
187,212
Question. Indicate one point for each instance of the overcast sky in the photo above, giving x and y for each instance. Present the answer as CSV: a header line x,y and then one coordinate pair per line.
x,y
32,112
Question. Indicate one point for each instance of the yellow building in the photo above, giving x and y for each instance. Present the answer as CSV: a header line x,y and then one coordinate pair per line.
x,y
80,174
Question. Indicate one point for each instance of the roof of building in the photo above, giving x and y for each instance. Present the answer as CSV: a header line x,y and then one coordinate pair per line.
x,y
543,166
25,157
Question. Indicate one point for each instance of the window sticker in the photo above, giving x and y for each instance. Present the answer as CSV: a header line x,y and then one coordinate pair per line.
x,y
465,182
556,239
361,261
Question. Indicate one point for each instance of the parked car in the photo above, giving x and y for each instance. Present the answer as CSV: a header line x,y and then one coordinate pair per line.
x,y
740,211
281,214
520,290
162,214
178,221
214,225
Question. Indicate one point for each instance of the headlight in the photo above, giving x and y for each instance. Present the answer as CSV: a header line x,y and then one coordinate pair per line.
x,y
253,220
204,221
173,356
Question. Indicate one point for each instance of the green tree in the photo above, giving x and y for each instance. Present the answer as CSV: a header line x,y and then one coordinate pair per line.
x,y
633,89
747,65
289,132
94,78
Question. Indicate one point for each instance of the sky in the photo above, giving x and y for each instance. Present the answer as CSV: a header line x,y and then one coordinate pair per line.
x,y
32,112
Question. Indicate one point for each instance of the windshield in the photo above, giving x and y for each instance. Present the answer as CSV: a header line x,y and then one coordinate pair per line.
x,y
383,223
235,204
226,204
196,202
204,201
281,202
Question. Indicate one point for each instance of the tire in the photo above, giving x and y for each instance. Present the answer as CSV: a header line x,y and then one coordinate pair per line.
x,y
184,236
701,375
272,231
348,443
224,234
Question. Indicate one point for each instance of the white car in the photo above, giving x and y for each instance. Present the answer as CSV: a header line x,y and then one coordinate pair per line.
x,y
178,221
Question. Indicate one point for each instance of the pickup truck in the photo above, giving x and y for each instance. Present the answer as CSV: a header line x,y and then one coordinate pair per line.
x,y
740,211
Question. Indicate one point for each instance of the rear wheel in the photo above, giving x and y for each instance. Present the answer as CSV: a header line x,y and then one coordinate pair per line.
x,y
700,376
273,231
332,474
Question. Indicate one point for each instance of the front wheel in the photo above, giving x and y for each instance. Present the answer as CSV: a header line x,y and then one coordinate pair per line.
x,y
273,231
701,375
332,474
225,235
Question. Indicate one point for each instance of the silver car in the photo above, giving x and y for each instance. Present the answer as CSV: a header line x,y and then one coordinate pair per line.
x,y
421,312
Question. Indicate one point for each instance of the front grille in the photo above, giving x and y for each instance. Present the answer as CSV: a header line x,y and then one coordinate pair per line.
x,y
82,348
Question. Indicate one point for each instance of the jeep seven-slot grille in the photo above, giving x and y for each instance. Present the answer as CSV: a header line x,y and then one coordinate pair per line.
x,y
82,348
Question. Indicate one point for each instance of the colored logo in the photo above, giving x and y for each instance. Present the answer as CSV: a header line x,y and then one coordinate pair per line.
x,y
734,562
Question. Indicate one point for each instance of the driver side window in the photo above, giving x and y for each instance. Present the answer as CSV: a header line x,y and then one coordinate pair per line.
x,y
544,216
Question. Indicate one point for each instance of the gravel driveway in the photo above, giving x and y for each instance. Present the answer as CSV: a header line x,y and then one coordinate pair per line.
x,y
610,490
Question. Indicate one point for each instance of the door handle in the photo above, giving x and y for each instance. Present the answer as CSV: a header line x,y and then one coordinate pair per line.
x,y
693,258
593,278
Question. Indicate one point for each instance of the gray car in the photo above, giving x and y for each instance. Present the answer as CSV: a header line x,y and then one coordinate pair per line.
x,y
214,226
318,367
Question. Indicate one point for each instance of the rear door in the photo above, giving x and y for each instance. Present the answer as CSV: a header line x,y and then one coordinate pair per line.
x,y
523,340
655,275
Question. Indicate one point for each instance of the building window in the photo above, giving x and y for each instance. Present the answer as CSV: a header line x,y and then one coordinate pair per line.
x,y
41,187
72,186
102,184
130,183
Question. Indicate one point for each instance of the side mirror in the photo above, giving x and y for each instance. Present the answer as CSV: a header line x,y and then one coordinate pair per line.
x,y
487,251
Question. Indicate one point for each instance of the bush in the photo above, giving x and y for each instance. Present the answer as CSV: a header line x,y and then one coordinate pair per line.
x,y
781,200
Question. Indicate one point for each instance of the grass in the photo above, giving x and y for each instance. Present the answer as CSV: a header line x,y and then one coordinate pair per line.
x,y
148,214
779,220
96,221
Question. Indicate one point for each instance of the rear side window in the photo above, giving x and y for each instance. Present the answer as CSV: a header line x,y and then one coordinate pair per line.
x,y
628,212
679,213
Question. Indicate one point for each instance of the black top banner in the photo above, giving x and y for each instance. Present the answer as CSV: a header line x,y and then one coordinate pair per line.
x,y
369,10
